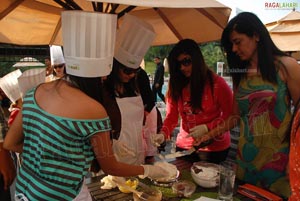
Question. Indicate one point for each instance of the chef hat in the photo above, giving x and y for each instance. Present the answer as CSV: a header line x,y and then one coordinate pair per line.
x,y
31,78
133,41
89,40
9,85
56,54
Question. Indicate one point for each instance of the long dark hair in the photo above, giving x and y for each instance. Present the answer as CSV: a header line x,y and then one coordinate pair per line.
x,y
199,76
90,86
249,24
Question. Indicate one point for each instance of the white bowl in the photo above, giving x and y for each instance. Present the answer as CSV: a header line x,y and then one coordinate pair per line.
x,y
205,174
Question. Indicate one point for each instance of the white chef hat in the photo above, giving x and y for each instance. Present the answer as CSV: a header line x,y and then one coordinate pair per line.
x,y
89,40
9,85
31,78
133,41
56,54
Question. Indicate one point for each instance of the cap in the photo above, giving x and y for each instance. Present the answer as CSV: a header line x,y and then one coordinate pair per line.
x,y
31,78
9,85
56,54
89,41
133,41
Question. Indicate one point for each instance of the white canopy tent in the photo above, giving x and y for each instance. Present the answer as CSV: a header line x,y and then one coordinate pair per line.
x,y
286,32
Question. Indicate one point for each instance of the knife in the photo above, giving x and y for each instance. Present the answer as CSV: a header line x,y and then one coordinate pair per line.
x,y
188,151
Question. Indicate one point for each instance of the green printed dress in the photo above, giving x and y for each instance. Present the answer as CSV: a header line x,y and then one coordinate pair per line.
x,y
263,145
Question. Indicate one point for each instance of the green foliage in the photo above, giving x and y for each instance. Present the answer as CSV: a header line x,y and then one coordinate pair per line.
x,y
150,67
212,54
160,51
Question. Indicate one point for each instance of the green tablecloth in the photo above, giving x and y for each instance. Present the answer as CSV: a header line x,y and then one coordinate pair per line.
x,y
185,175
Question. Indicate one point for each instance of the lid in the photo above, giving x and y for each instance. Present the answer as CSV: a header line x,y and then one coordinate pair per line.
x,y
89,40
9,85
31,78
56,54
133,41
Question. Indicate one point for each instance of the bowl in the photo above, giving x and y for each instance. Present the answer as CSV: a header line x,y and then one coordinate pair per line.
x,y
183,188
130,182
205,174
173,174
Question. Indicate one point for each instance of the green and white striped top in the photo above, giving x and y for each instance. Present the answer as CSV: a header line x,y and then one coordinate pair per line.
x,y
57,153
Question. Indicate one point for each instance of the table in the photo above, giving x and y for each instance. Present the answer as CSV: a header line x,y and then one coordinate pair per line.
x,y
183,166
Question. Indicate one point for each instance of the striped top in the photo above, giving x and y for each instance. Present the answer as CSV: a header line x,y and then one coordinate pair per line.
x,y
56,154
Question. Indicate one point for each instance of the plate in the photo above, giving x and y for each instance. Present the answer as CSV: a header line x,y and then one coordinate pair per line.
x,y
166,182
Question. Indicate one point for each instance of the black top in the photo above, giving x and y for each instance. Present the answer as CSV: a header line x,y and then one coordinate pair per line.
x,y
145,90
159,74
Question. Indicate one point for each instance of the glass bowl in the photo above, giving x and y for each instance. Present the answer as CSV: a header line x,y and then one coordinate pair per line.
x,y
184,188
130,182
205,174
152,195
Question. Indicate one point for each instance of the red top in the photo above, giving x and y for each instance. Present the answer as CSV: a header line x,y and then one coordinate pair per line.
x,y
13,115
215,109
294,158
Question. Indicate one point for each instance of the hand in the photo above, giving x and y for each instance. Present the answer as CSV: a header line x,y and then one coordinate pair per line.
x,y
154,172
198,131
121,149
205,139
156,85
157,139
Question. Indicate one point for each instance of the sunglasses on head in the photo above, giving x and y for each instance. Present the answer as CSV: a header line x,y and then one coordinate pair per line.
x,y
185,61
58,66
129,71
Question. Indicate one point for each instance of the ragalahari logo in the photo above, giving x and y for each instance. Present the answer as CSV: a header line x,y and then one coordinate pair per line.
x,y
281,5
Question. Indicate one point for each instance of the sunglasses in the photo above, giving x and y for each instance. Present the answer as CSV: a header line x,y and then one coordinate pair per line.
x,y
58,66
129,71
185,62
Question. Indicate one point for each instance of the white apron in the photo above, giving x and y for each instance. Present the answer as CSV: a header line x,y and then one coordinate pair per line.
x,y
150,128
132,115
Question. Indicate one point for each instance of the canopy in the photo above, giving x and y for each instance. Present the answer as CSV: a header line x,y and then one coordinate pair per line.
x,y
28,61
286,32
38,22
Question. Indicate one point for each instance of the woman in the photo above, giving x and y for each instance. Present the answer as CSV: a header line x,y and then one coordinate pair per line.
x,y
62,122
200,97
59,70
56,144
265,82
128,98
126,109
294,159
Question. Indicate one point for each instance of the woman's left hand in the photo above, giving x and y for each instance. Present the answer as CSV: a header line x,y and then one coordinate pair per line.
x,y
198,131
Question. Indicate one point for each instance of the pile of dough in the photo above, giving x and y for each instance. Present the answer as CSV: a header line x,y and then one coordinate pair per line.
x,y
170,168
108,182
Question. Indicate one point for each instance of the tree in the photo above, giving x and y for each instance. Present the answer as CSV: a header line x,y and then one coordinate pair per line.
x,y
212,54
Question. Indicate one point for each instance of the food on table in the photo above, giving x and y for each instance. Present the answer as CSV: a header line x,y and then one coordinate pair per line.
x,y
131,182
184,188
152,195
172,169
205,174
108,182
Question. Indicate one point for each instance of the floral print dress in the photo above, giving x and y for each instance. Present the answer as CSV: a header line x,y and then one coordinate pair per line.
x,y
294,162
263,145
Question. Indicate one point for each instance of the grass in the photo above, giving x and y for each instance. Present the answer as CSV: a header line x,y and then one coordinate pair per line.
x,y
150,67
